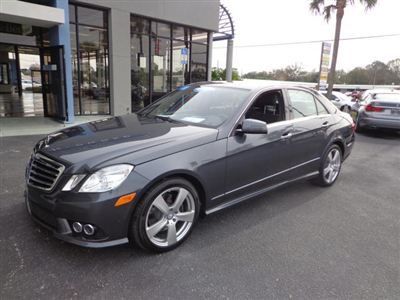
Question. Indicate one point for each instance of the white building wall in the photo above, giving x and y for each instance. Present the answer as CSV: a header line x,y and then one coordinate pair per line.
x,y
197,13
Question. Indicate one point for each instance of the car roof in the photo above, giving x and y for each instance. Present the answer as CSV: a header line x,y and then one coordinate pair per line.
x,y
255,85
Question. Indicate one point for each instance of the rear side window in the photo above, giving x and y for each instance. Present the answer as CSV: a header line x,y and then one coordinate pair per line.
x,y
303,104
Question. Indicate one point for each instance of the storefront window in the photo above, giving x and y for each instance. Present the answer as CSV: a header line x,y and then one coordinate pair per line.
x,y
140,71
180,33
199,63
180,63
164,57
92,17
160,51
161,29
90,60
199,36
140,25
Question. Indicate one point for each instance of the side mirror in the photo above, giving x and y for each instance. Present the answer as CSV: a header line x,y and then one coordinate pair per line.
x,y
253,126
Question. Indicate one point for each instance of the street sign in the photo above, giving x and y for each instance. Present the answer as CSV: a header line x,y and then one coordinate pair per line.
x,y
184,56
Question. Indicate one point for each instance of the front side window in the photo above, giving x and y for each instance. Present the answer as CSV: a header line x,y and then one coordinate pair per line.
x,y
320,108
303,104
208,106
269,107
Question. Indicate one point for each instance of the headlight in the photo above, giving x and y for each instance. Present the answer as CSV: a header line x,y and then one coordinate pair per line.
x,y
106,179
73,182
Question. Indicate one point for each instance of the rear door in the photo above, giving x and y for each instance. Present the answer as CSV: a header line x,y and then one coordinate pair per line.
x,y
311,122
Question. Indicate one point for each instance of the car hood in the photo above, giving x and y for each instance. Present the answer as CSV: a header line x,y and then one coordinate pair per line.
x,y
130,139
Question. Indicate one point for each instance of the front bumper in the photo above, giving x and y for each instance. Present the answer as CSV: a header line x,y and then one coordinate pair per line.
x,y
57,210
378,123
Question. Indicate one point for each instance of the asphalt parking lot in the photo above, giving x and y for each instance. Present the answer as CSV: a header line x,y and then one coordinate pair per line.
x,y
300,242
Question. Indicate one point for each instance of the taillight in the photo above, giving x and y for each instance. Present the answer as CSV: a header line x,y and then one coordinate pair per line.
x,y
372,108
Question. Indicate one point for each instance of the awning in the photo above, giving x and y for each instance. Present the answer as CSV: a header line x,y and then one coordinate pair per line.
x,y
30,14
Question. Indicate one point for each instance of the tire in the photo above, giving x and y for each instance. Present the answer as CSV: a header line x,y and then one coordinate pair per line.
x,y
165,216
359,129
330,167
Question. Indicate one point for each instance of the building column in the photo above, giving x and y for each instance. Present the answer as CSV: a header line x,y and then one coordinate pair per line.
x,y
210,48
229,60
120,62
64,38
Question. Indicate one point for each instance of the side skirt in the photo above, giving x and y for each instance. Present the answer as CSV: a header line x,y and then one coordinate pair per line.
x,y
257,193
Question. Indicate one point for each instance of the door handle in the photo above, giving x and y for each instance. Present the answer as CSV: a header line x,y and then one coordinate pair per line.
x,y
286,135
325,124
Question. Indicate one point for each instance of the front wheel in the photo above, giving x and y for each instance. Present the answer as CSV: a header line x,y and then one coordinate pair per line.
x,y
165,217
330,166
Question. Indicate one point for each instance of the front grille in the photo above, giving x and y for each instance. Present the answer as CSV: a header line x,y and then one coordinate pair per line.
x,y
44,172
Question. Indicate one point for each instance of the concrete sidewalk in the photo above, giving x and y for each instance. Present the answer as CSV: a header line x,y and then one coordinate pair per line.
x,y
39,125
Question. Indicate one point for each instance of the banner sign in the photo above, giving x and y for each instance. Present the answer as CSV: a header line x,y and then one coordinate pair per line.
x,y
324,65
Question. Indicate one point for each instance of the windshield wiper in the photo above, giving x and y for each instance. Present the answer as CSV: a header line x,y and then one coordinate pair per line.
x,y
162,117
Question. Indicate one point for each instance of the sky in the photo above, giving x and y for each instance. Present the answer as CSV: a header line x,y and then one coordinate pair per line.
x,y
280,21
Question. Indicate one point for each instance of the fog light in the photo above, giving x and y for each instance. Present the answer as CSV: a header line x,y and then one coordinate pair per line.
x,y
88,229
77,227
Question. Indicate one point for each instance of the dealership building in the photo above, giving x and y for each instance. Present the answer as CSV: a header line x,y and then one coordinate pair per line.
x,y
61,58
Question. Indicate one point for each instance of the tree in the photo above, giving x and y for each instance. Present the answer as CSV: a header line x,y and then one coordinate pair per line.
x,y
218,74
319,6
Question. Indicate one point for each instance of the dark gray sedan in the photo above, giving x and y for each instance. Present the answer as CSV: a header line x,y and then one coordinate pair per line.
x,y
146,177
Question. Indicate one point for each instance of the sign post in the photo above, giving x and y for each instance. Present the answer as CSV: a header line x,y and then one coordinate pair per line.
x,y
324,66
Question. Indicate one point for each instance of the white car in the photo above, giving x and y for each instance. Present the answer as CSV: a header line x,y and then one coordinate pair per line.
x,y
366,93
341,101
28,84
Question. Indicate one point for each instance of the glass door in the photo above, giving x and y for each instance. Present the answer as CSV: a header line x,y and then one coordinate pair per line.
x,y
53,82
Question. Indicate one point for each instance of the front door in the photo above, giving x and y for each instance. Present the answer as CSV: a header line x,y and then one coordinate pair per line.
x,y
53,82
256,161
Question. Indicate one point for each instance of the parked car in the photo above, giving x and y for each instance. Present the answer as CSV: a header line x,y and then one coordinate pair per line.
x,y
341,101
367,93
378,110
146,177
29,84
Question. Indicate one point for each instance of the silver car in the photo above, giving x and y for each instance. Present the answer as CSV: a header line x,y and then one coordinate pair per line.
x,y
378,110
341,101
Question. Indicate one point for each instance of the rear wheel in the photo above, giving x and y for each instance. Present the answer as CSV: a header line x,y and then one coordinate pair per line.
x,y
165,216
358,127
330,166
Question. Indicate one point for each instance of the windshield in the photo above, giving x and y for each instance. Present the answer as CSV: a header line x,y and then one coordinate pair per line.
x,y
208,106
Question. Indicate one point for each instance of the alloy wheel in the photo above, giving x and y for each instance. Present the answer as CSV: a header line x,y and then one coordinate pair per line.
x,y
170,216
332,165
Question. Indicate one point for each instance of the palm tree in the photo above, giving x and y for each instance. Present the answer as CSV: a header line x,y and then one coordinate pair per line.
x,y
318,6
